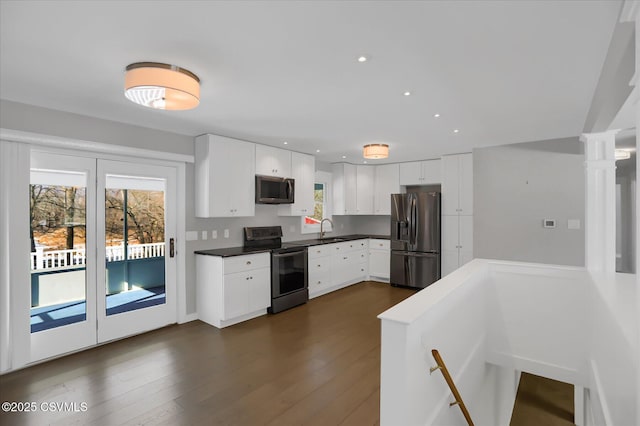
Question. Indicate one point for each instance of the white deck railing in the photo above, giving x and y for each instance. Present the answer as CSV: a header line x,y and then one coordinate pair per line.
x,y
56,259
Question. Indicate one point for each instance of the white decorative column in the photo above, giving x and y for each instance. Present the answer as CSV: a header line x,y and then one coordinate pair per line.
x,y
600,214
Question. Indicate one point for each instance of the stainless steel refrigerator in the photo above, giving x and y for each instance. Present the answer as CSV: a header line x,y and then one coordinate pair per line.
x,y
415,239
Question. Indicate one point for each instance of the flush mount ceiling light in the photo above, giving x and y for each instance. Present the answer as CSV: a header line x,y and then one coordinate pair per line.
x,y
375,151
622,154
161,86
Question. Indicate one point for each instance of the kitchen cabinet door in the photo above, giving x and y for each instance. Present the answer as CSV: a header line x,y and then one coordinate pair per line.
x,y
431,172
235,294
449,262
465,192
364,189
449,232
224,177
387,182
410,173
426,172
271,161
457,184
303,170
259,289
344,189
465,238
379,262
450,185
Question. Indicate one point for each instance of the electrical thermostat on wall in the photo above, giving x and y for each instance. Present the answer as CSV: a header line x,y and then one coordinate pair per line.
x,y
548,223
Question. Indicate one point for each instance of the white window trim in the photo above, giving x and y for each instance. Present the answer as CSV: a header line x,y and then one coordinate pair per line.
x,y
324,178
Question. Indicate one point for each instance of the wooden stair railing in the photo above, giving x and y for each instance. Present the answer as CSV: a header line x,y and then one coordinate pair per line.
x,y
447,377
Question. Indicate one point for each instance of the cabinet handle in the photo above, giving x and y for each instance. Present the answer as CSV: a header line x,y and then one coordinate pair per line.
x,y
345,258
248,262
380,245
318,266
318,282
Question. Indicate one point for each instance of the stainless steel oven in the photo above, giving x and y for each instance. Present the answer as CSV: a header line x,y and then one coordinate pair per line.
x,y
289,279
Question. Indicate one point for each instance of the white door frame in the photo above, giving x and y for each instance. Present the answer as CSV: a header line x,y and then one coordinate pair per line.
x,y
15,335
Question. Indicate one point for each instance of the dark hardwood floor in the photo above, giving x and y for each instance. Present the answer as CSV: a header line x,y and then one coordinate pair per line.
x,y
317,364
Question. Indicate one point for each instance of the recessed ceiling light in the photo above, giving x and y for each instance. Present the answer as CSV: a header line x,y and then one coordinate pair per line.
x,y
407,93
285,142
456,130
362,58
436,115
344,156
317,150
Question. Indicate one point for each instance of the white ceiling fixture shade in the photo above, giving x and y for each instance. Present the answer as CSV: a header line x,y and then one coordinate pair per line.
x,y
375,151
161,86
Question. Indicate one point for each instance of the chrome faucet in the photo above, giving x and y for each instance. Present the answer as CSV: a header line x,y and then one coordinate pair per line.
x,y
321,225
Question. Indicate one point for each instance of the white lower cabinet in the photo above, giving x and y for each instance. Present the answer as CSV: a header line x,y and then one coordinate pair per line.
x,y
334,266
233,289
379,259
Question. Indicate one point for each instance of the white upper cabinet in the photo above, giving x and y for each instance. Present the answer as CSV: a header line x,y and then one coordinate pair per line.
x,y
386,183
365,176
457,184
344,189
224,177
272,161
303,171
420,172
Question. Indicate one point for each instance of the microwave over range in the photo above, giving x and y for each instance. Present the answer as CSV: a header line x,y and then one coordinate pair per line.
x,y
274,190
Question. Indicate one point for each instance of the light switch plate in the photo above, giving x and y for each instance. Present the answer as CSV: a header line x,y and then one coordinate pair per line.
x,y
192,235
226,233
214,234
204,235
573,224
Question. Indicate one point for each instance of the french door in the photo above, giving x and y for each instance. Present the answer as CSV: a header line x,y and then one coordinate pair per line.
x,y
102,258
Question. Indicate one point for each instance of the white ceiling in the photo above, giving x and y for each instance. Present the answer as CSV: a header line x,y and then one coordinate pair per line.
x,y
500,71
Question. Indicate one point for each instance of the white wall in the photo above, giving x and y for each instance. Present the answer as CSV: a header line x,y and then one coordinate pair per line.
x,y
515,188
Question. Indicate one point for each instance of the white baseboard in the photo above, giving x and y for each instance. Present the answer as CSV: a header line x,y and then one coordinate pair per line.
x,y
188,318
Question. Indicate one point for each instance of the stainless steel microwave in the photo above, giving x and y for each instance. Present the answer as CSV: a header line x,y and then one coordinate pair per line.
x,y
274,190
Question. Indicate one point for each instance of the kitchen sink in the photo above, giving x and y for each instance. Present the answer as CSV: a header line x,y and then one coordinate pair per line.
x,y
331,240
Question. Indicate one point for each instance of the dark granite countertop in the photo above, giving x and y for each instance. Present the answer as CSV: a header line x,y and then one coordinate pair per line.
x,y
240,251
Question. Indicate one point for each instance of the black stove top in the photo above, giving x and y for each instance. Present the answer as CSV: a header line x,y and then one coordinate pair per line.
x,y
267,238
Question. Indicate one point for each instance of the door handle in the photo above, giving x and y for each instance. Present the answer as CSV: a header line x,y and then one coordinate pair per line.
x,y
172,247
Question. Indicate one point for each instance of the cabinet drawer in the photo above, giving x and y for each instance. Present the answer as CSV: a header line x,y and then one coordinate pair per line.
x,y
319,251
321,265
379,244
349,246
246,263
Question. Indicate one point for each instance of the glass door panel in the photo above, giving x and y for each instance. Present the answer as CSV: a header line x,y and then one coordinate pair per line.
x,y
135,277
62,303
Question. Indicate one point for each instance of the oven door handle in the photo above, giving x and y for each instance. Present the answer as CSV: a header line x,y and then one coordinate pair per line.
x,y
293,253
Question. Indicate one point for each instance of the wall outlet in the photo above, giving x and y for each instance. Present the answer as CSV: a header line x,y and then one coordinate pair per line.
x,y
548,223
203,235
191,235
573,224
214,234
226,233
